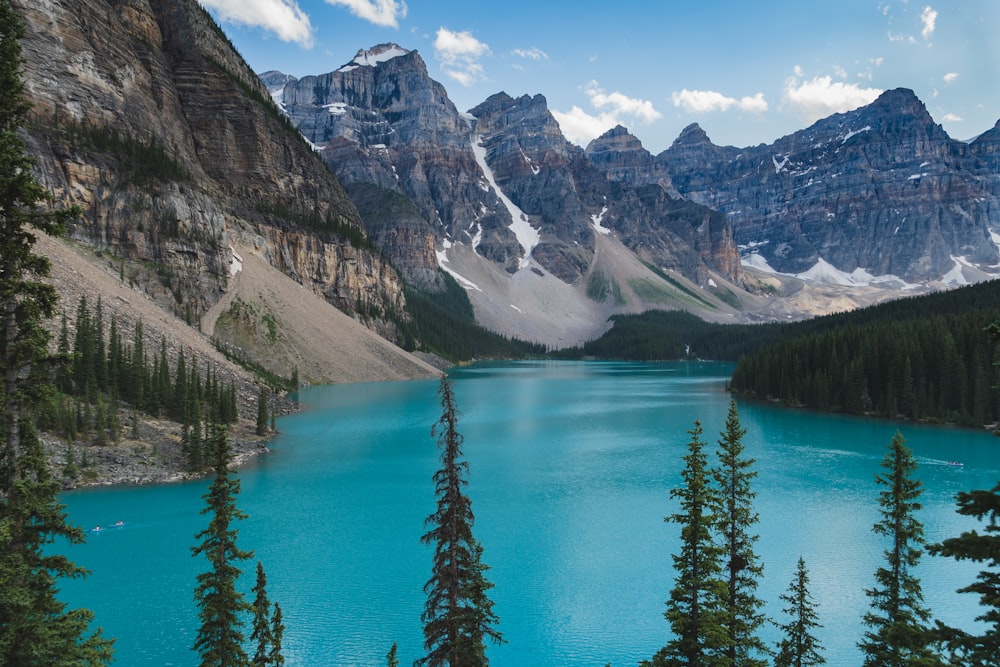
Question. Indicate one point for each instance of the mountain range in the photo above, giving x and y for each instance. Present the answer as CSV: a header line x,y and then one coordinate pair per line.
x,y
860,206
360,182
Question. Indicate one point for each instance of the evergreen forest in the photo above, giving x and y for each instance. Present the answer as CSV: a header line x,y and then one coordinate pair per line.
x,y
925,358
100,376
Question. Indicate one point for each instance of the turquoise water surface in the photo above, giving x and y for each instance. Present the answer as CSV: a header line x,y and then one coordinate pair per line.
x,y
571,465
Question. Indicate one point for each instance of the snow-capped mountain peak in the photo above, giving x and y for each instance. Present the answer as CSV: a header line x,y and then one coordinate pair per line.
x,y
374,56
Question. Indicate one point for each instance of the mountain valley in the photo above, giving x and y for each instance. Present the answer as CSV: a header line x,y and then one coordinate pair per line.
x,y
547,239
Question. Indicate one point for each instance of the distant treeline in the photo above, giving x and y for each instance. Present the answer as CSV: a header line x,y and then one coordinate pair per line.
x,y
924,357
659,335
931,358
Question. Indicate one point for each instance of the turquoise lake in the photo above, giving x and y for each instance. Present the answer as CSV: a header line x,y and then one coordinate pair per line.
x,y
571,467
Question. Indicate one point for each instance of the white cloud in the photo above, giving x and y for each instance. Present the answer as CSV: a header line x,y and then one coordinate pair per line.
x,y
950,77
459,53
703,101
580,127
952,118
928,18
755,104
820,96
534,53
380,12
840,71
282,17
619,103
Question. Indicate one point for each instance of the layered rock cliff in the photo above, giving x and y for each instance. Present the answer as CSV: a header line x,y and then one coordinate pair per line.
x,y
500,178
381,119
147,119
882,189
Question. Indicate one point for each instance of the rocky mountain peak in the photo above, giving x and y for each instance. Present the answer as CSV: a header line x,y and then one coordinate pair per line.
x,y
882,189
375,56
618,139
900,101
692,135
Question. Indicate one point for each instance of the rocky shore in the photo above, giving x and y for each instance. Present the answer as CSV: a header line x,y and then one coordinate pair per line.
x,y
151,456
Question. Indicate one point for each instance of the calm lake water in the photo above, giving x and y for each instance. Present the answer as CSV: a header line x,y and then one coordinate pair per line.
x,y
571,465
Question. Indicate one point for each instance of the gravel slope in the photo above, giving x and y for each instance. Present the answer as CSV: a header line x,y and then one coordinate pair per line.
x,y
327,345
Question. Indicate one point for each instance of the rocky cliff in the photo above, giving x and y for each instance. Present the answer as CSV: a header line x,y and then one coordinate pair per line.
x,y
881,189
612,187
381,119
147,119
500,178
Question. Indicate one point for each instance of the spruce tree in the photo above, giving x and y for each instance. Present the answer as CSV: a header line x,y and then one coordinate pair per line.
x,y
276,657
35,626
458,616
798,646
968,648
390,659
696,609
898,633
221,606
735,519
261,636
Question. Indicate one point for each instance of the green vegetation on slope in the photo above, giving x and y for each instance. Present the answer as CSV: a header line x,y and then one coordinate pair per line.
x,y
444,324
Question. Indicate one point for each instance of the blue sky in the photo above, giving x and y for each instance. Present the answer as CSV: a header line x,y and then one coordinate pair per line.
x,y
747,72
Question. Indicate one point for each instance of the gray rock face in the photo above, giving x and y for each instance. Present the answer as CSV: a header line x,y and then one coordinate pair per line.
x,y
882,188
223,168
382,120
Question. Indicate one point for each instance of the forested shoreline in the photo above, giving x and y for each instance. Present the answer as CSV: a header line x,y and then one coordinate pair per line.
x,y
928,358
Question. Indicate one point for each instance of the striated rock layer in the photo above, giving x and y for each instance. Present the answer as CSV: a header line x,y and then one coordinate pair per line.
x,y
500,178
882,188
147,119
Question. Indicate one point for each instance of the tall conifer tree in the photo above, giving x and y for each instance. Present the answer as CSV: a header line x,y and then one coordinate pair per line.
x,y
221,605
261,635
458,616
966,647
735,519
696,609
897,619
277,637
799,647
35,627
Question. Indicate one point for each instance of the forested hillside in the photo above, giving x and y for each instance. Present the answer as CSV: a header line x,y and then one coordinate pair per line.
x,y
939,367
927,357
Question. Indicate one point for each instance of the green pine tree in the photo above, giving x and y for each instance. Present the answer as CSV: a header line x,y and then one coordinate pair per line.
x,y
35,626
390,659
261,636
735,521
458,616
798,646
965,647
276,657
696,609
898,633
221,606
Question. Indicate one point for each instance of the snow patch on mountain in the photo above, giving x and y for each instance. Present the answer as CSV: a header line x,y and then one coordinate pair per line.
x,y
596,220
824,273
526,235
956,276
374,56
851,133
442,257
